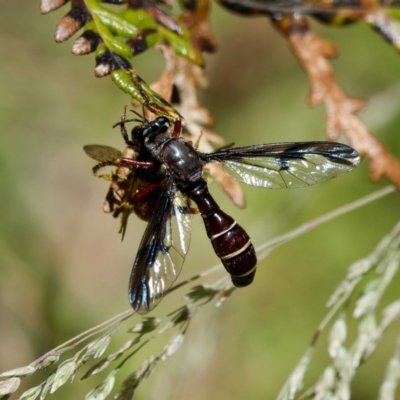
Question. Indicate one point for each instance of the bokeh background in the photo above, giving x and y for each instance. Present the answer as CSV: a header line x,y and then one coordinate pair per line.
x,y
63,268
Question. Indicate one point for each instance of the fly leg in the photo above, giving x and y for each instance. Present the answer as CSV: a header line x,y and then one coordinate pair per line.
x,y
120,162
177,128
128,162
122,123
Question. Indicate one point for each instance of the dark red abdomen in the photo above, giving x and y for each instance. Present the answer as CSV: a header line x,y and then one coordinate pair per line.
x,y
230,241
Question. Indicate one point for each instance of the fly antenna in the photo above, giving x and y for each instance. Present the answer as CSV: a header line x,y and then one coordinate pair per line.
x,y
123,122
142,118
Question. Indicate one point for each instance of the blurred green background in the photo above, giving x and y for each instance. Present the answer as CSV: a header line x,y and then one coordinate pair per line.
x,y
63,268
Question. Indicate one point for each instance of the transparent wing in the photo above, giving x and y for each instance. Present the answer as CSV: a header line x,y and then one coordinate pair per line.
x,y
286,165
300,6
102,153
162,251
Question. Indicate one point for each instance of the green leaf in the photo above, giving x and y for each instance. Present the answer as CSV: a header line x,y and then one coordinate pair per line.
x,y
182,47
124,82
118,25
140,91
113,44
139,18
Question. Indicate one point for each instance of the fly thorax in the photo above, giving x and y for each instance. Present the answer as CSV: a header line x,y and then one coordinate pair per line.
x,y
182,160
156,145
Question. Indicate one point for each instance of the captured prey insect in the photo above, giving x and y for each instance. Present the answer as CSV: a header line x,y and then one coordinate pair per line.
x,y
129,190
172,167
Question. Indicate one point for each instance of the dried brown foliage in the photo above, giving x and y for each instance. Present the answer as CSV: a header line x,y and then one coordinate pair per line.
x,y
314,53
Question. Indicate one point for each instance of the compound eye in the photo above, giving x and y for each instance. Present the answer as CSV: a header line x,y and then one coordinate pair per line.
x,y
161,124
145,132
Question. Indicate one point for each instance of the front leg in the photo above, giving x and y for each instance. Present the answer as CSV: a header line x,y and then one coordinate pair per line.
x,y
122,123
120,162
128,162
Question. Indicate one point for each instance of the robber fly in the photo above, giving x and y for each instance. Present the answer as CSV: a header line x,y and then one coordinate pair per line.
x,y
173,168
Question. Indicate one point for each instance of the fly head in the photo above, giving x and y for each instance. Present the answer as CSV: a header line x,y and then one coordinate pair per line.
x,y
153,129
